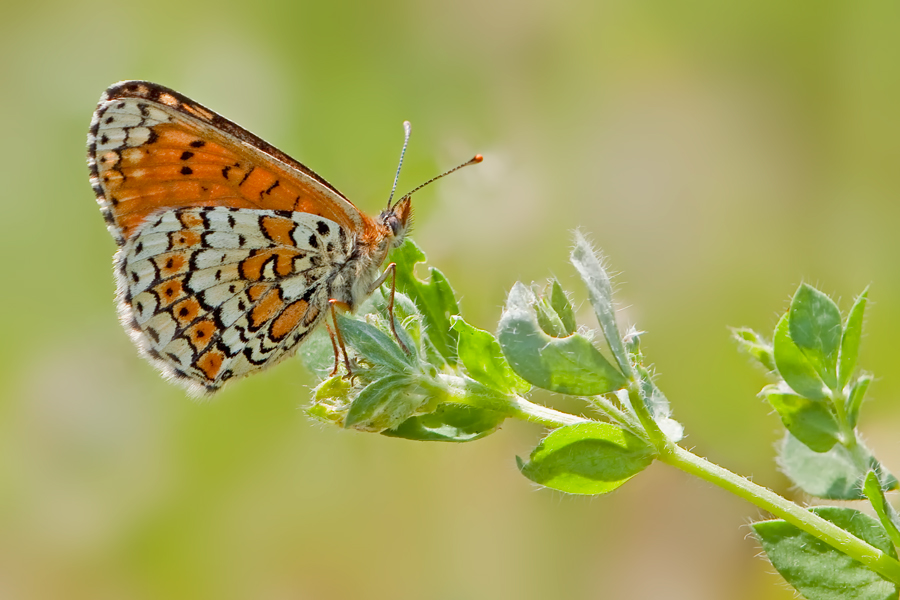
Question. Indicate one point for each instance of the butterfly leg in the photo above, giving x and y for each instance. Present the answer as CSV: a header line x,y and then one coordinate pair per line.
x,y
391,271
334,347
340,338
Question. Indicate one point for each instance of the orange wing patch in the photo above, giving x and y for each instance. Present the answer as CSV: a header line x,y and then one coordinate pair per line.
x,y
278,229
211,363
186,311
171,264
288,320
267,264
200,334
267,308
168,292
181,167
183,239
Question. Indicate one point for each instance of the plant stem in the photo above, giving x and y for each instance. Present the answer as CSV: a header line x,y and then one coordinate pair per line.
x,y
839,402
617,415
678,457
548,417
467,391
873,558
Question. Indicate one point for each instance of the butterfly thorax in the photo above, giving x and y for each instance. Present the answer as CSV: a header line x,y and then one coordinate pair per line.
x,y
353,281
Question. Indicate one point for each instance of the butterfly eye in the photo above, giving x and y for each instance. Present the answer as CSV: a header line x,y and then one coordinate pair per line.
x,y
394,223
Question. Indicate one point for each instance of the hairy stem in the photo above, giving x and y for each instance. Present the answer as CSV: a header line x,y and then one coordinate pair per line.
x,y
467,391
548,417
828,532
807,521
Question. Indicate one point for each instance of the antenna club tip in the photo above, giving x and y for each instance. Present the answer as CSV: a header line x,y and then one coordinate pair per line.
x,y
478,158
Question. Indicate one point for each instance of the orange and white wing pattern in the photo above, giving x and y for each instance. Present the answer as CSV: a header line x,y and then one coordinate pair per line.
x,y
211,293
229,249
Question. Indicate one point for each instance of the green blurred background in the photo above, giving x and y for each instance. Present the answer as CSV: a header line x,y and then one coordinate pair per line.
x,y
719,153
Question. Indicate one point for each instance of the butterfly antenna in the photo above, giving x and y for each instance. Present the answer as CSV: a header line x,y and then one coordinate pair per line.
x,y
407,129
472,161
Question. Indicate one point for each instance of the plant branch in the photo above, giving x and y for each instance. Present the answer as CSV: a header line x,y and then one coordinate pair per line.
x,y
873,558
461,389
651,430
548,417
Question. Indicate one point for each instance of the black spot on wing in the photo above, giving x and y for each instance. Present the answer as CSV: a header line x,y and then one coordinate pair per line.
x,y
269,190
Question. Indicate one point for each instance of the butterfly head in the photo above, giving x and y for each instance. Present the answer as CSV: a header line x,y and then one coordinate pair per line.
x,y
397,220
396,217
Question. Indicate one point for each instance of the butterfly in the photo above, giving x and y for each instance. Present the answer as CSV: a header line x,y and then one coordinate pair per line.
x,y
230,251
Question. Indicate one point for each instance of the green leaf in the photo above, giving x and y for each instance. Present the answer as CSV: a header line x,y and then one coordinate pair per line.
x,y
383,404
655,401
450,422
821,572
793,366
569,366
331,399
850,340
889,518
373,344
815,326
483,358
855,398
548,319
811,421
434,298
591,270
751,342
587,458
834,475
560,303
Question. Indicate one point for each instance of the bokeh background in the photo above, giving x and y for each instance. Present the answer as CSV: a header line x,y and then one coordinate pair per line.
x,y
719,153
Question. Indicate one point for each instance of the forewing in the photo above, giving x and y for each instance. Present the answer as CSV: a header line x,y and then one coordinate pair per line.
x,y
151,148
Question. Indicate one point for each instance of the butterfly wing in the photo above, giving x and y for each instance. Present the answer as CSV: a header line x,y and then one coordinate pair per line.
x,y
214,293
150,148
227,245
